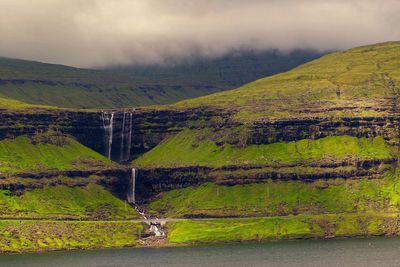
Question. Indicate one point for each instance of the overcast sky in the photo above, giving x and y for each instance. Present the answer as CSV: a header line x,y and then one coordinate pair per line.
x,y
94,33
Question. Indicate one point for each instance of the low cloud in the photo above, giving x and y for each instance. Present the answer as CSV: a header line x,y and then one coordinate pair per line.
x,y
96,33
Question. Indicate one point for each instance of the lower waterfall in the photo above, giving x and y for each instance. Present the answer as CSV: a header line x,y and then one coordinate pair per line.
x,y
131,195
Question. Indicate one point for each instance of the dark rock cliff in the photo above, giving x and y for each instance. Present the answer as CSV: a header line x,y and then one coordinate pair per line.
x,y
150,127
136,131
152,181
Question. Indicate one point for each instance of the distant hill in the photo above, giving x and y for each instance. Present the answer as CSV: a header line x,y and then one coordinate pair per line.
x,y
227,72
57,85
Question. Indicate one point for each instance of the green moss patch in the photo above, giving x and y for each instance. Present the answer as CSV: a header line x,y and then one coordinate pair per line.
x,y
276,228
282,198
25,236
187,148
89,202
23,155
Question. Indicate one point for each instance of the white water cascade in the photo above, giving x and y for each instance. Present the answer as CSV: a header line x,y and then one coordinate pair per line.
x,y
115,126
121,148
108,126
131,196
128,151
157,232
126,137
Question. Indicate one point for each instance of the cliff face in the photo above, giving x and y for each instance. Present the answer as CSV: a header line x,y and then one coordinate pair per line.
x,y
84,126
314,128
149,127
153,181
115,180
142,129
123,135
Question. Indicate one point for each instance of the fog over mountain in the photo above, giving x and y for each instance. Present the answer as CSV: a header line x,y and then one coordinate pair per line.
x,y
98,33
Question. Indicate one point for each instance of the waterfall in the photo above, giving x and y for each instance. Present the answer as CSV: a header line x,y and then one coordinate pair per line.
x,y
131,196
122,155
126,137
108,120
156,231
128,152
110,138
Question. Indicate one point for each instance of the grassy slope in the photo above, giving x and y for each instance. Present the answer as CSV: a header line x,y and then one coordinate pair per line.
x,y
290,227
25,236
24,154
101,96
57,85
356,72
11,104
89,202
21,155
188,148
283,198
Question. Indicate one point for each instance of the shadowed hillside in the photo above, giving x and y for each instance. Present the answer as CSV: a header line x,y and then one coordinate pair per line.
x,y
62,86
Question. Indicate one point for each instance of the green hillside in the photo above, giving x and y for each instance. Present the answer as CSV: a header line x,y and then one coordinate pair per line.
x,y
313,151
352,82
34,236
7,103
63,86
283,198
63,202
283,227
196,148
44,152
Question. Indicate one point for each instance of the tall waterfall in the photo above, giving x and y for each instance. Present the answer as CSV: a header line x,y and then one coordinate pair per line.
x,y
126,137
122,155
129,137
108,126
115,126
131,195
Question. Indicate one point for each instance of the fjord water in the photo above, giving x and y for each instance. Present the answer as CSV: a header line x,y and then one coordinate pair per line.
x,y
382,251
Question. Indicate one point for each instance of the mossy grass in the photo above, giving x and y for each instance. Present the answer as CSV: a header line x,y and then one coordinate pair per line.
x,y
12,104
188,149
286,227
64,202
25,155
34,236
282,198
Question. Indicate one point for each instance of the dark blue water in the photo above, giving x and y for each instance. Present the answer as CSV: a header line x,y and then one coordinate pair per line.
x,y
346,252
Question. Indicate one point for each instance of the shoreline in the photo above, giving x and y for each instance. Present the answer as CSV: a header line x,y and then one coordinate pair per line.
x,y
194,245
40,236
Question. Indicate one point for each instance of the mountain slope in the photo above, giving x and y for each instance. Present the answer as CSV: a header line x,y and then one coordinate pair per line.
x,y
314,151
62,86
226,72
342,83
